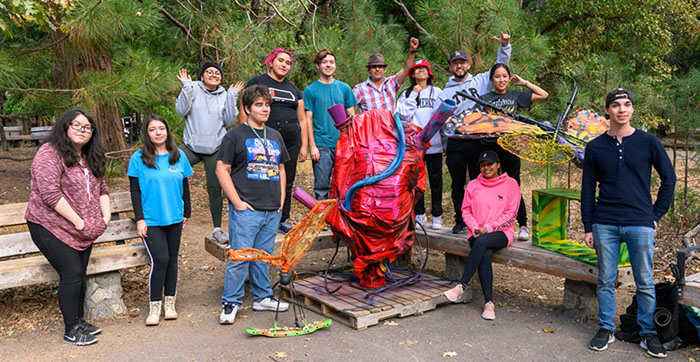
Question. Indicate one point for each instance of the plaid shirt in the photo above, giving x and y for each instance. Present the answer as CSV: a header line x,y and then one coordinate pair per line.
x,y
370,97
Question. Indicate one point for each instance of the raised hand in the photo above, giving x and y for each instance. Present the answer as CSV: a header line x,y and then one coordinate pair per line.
x,y
239,85
515,79
413,43
183,76
503,39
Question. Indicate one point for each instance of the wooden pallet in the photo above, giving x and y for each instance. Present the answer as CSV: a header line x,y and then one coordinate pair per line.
x,y
350,307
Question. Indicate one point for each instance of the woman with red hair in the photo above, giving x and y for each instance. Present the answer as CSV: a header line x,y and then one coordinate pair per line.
x,y
286,115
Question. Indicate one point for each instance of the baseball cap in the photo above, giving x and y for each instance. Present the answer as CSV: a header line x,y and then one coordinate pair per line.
x,y
489,156
458,54
618,93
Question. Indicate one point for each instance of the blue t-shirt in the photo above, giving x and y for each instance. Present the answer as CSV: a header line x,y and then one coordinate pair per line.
x,y
318,97
161,188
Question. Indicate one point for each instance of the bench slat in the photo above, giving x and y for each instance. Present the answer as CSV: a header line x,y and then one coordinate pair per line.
x,y
36,270
13,214
522,255
22,244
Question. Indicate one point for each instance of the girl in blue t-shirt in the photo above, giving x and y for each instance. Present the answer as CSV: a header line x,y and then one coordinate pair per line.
x,y
160,195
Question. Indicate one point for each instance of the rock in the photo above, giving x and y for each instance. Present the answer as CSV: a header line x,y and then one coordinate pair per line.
x,y
103,298
580,299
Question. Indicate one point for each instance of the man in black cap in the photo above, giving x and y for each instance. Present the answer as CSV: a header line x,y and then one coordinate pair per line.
x,y
457,149
378,91
619,164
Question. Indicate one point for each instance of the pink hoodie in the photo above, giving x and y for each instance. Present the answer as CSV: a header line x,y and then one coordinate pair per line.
x,y
492,203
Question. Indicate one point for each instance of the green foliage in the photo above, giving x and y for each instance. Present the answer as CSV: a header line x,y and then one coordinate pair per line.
x,y
686,209
128,52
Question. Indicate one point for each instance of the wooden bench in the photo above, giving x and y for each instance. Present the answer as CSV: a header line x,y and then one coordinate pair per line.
x,y
16,133
22,264
580,278
689,286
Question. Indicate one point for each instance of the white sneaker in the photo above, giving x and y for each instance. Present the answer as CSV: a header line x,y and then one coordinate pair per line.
x,y
270,303
437,223
524,233
228,313
420,219
220,236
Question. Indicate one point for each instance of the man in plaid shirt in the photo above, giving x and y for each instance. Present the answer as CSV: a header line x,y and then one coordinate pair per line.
x,y
378,91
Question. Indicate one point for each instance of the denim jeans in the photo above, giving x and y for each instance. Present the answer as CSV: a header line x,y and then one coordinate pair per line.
x,y
249,229
640,244
322,172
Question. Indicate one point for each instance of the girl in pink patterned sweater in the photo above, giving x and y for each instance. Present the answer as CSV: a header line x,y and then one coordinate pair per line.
x,y
489,209
68,209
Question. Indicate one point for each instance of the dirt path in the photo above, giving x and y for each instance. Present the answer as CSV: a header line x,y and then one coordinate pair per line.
x,y
527,304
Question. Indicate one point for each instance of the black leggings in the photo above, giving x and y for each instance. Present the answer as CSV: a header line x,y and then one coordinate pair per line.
x,y
291,135
71,266
433,167
480,257
163,244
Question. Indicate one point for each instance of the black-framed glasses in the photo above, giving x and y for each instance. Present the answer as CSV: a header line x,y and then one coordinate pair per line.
x,y
79,127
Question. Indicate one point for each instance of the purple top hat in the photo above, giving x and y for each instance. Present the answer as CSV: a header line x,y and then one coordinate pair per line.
x,y
337,112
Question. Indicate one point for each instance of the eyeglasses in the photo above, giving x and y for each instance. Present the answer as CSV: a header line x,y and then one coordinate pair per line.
x,y
78,127
213,72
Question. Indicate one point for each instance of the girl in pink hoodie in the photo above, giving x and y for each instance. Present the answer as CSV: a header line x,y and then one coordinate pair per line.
x,y
489,209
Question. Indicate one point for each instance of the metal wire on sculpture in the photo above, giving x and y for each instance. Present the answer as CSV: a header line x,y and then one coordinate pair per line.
x,y
294,245
531,140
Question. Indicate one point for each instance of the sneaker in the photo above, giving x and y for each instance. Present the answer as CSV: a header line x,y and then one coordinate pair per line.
x,y
228,313
420,219
89,328
285,227
78,336
454,293
220,236
651,343
437,223
524,234
458,228
270,303
601,340
489,312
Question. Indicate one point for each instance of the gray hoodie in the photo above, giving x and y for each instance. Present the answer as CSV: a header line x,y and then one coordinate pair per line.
x,y
206,115
475,85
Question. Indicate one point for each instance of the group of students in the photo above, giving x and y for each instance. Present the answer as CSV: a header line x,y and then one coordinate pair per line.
x,y
254,163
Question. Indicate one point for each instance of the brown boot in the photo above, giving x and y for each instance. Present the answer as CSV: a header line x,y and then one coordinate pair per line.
x,y
169,307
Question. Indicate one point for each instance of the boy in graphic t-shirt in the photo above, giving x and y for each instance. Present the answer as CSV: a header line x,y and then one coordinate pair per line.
x,y
250,169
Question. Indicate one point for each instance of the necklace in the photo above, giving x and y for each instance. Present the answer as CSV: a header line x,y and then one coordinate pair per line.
x,y
262,140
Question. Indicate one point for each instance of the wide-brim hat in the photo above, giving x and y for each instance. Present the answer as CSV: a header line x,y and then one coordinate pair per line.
x,y
420,63
376,59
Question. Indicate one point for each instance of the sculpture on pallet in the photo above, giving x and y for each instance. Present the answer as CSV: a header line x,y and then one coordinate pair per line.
x,y
377,176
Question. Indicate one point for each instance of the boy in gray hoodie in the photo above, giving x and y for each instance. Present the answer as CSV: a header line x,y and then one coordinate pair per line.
x,y
207,108
458,150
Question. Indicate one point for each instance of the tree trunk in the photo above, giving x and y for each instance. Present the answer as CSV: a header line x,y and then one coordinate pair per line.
x,y
109,120
5,145
77,58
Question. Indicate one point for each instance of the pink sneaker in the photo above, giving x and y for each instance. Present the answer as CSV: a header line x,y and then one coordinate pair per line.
x,y
454,293
489,311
